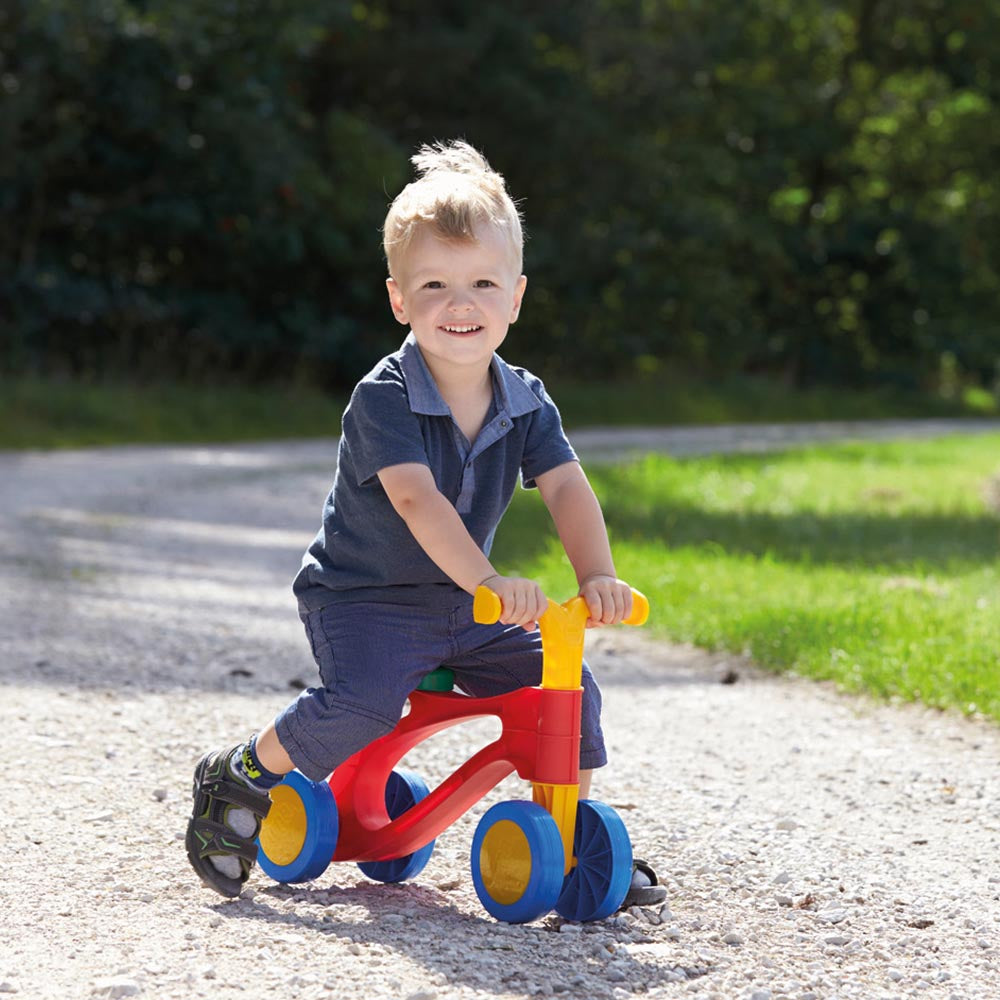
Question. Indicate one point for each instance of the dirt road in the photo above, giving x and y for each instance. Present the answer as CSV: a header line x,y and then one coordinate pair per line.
x,y
814,845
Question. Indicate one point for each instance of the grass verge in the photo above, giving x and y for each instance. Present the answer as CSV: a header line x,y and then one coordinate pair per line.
x,y
48,413
55,413
673,400
876,566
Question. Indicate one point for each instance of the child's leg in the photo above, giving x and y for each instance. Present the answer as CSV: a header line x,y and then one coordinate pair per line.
x,y
495,659
370,657
270,751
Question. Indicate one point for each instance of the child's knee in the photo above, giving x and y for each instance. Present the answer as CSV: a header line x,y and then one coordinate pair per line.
x,y
320,731
363,728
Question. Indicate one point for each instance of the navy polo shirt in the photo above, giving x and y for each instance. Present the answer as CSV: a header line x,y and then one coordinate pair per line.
x,y
364,551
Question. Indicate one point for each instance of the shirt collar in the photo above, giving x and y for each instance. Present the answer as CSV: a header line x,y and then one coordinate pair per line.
x,y
421,389
515,398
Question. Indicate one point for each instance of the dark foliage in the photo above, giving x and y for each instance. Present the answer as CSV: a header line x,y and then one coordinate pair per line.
x,y
800,187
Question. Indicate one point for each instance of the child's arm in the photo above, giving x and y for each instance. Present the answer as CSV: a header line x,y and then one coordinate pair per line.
x,y
440,532
580,523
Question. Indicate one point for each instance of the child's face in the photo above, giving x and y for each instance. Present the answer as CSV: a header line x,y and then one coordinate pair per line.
x,y
458,298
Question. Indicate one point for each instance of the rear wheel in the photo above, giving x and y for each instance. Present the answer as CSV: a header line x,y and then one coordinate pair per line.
x,y
403,790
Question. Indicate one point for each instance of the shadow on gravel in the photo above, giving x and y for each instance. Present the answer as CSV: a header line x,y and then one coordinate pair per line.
x,y
112,650
146,603
467,950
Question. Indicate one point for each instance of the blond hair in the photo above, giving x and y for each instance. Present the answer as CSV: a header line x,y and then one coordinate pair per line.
x,y
456,190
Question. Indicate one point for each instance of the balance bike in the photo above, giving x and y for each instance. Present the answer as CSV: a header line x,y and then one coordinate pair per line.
x,y
554,852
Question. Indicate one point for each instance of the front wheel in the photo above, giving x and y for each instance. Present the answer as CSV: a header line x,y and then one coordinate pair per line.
x,y
597,884
517,861
298,837
403,790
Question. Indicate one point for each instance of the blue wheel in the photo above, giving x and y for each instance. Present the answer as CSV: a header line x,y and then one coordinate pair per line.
x,y
299,835
597,885
403,790
517,861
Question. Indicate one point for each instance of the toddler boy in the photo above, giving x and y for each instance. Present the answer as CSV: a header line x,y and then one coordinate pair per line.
x,y
434,439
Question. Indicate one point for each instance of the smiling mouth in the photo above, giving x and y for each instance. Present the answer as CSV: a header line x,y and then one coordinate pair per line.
x,y
462,328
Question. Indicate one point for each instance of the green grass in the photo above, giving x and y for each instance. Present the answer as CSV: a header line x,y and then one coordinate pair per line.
x,y
676,400
51,413
58,413
876,566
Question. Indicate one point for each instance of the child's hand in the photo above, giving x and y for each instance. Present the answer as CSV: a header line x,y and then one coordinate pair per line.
x,y
609,600
522,600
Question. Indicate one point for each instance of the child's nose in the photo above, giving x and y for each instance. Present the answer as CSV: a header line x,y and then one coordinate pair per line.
x,y
461,302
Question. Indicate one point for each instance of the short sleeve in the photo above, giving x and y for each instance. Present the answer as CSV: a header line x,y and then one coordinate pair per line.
x,y
546,445
381,430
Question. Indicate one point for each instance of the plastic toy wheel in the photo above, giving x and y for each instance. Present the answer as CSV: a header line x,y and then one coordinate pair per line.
x,y
403,790
299,835
517,861
597,885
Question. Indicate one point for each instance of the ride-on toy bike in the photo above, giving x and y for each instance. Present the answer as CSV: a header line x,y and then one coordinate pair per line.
x,y
555,852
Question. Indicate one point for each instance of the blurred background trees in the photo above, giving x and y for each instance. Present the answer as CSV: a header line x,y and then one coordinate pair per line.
x,y
801,188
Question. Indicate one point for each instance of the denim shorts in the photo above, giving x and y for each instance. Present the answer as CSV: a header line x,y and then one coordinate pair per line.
x,y
372,655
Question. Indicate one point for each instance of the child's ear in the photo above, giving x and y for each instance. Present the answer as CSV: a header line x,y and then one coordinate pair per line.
x,y
396,302
518,295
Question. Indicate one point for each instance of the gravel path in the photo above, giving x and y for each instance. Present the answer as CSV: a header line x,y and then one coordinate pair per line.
x,y
814,845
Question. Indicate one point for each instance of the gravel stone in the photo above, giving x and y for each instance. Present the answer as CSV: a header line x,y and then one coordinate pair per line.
x,y
116,987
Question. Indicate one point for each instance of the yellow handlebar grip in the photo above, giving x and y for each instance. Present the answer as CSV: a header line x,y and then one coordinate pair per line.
x,y
640,609
486,607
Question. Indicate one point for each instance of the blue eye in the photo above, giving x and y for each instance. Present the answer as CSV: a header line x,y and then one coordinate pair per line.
x,y
484,283
434,284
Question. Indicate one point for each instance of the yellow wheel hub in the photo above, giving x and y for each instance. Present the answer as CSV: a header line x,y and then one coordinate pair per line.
x,y
283,832
505,862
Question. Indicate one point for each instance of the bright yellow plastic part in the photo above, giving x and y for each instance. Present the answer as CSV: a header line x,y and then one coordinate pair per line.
x,y
283,833
561,801
563,627
486,606
505,862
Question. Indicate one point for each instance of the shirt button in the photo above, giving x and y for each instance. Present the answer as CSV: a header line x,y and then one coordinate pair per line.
x,y
503,423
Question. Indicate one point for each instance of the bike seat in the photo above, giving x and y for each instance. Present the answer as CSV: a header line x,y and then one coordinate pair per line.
x,y
441,679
